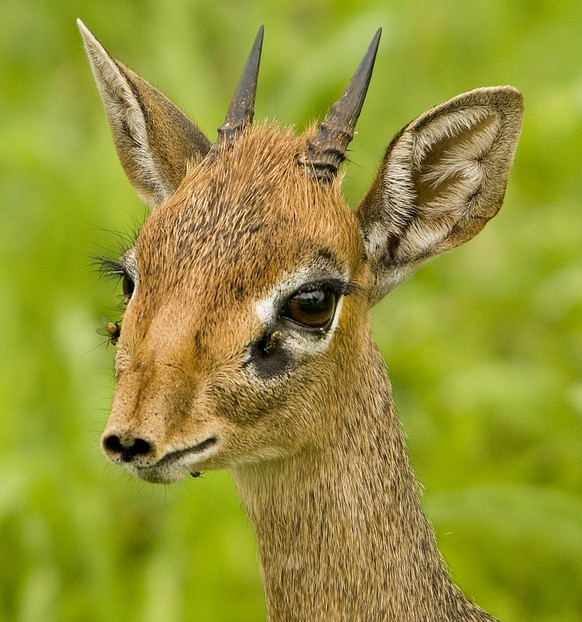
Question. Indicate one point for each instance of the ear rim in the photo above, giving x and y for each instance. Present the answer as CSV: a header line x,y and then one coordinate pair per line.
x,y
507,104
137,112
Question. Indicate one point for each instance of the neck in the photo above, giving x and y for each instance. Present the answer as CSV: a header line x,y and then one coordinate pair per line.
x,y
340,531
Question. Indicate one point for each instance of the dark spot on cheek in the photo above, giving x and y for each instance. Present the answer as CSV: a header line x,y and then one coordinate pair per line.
x,y
268,357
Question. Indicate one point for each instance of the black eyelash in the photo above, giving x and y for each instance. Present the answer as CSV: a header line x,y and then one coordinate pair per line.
x,y
110,268
124,242
339,286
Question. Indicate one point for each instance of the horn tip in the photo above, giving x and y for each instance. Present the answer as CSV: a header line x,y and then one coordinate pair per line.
x,y
374,44
240,111
258,44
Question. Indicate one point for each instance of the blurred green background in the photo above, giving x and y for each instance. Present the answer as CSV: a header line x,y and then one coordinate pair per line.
x,y
484,345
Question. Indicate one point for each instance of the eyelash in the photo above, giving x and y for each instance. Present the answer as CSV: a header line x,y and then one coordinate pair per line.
x,y
110,268
334,285
340,287
115,269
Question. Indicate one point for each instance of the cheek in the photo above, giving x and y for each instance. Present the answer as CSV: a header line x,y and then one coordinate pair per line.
x,y
264,413
246,401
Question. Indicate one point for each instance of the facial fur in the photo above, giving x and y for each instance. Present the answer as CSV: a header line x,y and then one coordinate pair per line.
x,y
202,349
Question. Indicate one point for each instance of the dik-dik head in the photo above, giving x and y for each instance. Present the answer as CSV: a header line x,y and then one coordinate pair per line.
x,y
248,288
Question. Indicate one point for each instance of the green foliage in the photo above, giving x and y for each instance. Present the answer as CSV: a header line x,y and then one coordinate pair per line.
x,y
484,345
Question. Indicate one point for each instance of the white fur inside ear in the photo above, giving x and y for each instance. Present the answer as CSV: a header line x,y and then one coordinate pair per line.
x,y
465,142
435,174
455,125
442,178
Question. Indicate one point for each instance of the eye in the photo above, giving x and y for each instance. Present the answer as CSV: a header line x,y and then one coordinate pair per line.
x,y
128,286
312,308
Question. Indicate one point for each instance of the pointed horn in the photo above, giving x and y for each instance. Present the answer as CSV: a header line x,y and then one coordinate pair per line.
x,y
327,149
241,110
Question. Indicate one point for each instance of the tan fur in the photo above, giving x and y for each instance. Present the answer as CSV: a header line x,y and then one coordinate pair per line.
x,y
310,433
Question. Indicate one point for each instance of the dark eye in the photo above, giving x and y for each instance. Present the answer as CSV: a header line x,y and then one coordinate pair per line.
x,y
128,286
312,308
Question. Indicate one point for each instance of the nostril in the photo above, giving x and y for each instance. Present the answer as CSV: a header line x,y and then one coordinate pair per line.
x,y
113,444
140,447
127,450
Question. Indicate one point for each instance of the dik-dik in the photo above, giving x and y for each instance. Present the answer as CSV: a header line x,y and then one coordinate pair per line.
x,y
245,342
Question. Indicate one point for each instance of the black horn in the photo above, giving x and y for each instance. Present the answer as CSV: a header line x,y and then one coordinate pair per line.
x,y
241,110
327,149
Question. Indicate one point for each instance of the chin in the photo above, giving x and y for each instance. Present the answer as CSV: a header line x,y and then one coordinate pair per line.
x,y
159,475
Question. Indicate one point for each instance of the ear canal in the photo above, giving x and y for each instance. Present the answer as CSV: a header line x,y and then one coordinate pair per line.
x,y
327,149
241,109
155,141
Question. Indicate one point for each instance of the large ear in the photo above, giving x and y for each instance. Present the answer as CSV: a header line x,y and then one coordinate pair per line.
x,y
154,140
442,178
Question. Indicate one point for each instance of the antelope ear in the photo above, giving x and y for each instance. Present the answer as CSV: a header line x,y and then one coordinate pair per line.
x,y
154,140
442,178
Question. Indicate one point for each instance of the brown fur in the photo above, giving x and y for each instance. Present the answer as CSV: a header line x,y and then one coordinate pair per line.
x,y
311,437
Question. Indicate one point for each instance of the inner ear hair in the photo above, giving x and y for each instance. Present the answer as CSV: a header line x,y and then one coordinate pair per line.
x,y
441,179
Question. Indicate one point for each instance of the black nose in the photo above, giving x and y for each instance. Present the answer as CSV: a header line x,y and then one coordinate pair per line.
x,y
127,449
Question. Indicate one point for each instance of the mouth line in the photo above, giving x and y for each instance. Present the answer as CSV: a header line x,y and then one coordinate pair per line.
x,y
175,456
